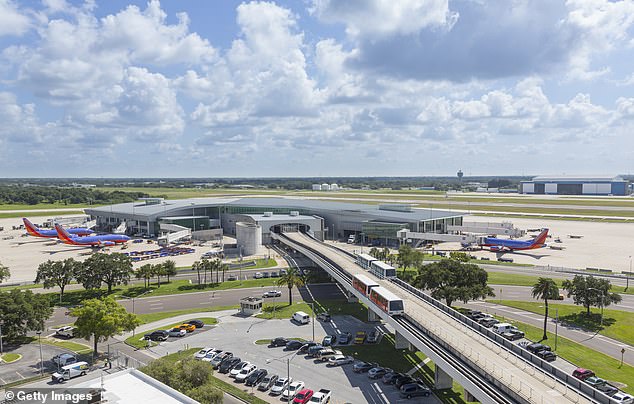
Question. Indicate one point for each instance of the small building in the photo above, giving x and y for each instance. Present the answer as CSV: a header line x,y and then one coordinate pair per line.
x,y
316,187
251,305
575,185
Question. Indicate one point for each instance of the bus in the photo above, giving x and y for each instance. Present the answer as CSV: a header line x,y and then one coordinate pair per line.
x,y
363,284
387,301
382,270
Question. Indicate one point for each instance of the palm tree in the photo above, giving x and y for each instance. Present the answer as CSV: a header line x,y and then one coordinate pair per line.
x,y
291,279
545,289
197,266
144,272
170,269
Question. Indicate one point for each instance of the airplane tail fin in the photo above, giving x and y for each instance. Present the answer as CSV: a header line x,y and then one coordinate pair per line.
x,y
30,227
541,238
63,234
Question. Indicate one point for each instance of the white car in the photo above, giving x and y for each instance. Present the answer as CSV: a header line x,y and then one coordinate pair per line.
x,y
258,275
177,332
246,372
279,386
292,390
272,293
624,398
215,362
68,331
338,360
234,372
203,352
212,354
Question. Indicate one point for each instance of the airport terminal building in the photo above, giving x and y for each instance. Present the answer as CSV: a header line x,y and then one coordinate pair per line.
x,y
575,185
252,219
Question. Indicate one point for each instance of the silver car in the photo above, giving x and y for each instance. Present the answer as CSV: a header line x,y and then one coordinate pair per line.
x,y
280,385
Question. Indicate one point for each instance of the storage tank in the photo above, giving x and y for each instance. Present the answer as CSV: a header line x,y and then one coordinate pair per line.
x,y
325,187
248,237
316,187
334,187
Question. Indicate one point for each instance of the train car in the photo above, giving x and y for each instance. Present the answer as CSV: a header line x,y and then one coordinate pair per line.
x,y
387,301
364,260
382,270
363,284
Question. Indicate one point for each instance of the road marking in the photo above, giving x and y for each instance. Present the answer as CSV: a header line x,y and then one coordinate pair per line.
x,y
420,365
379,392
18,373
156,304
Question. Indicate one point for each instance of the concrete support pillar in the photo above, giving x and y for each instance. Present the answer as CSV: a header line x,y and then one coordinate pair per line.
x,y
441,379
372,316
400,342
469,397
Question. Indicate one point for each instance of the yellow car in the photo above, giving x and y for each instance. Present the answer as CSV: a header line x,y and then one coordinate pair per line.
x,y
359,338
187,327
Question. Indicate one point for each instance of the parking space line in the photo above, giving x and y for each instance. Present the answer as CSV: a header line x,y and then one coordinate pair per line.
x,y
2,381
18,373
420,365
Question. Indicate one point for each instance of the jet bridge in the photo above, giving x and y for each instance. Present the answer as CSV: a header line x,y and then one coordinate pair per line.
x,y
405,235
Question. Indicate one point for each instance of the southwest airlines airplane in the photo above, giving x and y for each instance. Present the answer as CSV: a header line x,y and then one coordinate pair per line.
x,y
498,244
37,232
104,240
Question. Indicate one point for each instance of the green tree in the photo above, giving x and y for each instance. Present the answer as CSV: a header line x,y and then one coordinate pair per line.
x,y
111,269
4,272
453,280
101,319
197,266
375,252
459,256
545,289
170,269
291,279
589,291
144,272
158,270
23,311
57,273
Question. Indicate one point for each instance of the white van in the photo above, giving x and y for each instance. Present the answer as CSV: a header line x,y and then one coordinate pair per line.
x,y
501,328
301,317
69,371
64,359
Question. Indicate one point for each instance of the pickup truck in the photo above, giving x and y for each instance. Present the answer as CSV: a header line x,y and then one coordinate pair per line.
x,y
321,397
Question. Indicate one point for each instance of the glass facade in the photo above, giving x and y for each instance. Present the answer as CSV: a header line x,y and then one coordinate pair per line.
x,y
194,223
382,230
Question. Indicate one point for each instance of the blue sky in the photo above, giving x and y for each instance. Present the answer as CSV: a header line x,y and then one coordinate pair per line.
x,y
315,88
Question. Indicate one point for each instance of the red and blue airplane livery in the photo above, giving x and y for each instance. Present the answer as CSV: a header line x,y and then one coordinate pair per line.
x,y
498,244
37,232
104,240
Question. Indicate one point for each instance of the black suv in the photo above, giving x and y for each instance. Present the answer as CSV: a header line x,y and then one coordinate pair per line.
x,y
227,365
306,346
279,341
414,390
293,345
402,380
390,378
256,377
537,347
158,335
196,323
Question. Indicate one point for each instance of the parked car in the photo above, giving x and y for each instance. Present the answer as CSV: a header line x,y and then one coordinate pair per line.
x,y
68,331
280,385
238,368
203,352
624,398
306,346
228,364
292,390
360,337
325,354
513,335
256,377
607,389
321,397
245,372
594,381
218,359
582,374
390,378
303,396
278,341
329,340
232,278
489,322
293,345
267,382
196,323
266,275
373,337
258,275
272,293
548,356
362,367
283,272
403,380
344,338
211,355
313,351
377,373
414,390
176,332
187,327
339,360
64,359
323,316
274,274
536,347
158,335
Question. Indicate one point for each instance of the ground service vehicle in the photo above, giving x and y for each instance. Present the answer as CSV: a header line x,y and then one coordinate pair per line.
x,y
64,359
280,385
267,382
69,371
301,317
414,390
292,390
321,397
387,301
303,396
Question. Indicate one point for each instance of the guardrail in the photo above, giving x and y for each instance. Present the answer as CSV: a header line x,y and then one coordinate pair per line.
x,y
540,364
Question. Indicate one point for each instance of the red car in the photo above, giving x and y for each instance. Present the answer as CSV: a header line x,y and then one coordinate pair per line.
x,y
303,396
582,374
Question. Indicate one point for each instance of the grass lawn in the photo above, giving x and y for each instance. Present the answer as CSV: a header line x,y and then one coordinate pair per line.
x,y
138,342
342,307
268,341
151,317
10,357
617,324
51,206
283,310
76,347
259,263
4,215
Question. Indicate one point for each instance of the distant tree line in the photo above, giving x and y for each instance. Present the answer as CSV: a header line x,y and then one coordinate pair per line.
x,y
32,195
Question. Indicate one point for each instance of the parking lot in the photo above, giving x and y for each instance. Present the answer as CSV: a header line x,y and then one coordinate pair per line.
x,y
238,335
29,365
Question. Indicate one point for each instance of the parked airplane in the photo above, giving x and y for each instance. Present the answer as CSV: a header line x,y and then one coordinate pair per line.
x,y
104,240
498,244
35,231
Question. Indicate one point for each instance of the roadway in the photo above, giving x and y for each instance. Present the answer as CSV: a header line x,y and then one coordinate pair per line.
x,y
507,369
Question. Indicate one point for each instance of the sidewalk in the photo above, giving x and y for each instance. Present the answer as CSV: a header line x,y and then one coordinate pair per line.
x,y
592,340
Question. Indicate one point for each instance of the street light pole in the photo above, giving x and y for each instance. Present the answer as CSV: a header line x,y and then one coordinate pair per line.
x,y
312,307
39,338
1,349
556,324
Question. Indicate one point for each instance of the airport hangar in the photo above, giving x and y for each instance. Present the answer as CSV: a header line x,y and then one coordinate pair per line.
x,y
575,185
251,219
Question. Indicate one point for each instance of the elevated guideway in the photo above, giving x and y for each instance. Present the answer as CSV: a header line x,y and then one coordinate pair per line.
x,y
488,370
